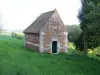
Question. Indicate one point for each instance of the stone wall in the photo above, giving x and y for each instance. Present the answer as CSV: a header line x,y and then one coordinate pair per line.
x,y
33,38
32,41
53,30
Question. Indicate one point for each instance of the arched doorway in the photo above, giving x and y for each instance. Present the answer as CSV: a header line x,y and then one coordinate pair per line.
x,y
54,47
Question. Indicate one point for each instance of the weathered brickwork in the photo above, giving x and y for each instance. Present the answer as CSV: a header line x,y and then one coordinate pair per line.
x,y
30,40
54,28
33,38
47,29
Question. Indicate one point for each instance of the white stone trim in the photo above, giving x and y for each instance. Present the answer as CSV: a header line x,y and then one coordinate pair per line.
x,y
41,32
46,48
41,41
66,45
65,33
63,47
33,44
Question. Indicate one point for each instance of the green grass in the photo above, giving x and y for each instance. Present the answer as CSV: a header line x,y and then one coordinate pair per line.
x,y
17,60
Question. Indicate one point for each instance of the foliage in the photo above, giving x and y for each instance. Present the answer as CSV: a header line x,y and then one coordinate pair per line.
x,y
94,25
17,35
74,32
89,17
79,43
17,60
71,48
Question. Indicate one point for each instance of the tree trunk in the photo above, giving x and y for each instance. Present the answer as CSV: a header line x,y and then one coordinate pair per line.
x,y
85,47
85,42
98,50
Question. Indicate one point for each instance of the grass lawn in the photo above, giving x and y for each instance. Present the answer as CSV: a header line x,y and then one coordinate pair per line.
x,y
17,60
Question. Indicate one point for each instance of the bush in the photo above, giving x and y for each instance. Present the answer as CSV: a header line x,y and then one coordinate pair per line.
x,y
13,34
17,35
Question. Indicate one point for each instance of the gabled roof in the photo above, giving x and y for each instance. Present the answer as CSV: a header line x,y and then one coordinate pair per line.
x,y
36,26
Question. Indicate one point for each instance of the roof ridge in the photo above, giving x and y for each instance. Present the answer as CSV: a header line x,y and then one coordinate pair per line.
x,y
39,23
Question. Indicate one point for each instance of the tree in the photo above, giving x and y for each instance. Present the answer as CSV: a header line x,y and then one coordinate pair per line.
x,y
89,17
79,43
74,32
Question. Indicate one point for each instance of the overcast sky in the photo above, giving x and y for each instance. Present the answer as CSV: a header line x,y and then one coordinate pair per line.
x,y
19,14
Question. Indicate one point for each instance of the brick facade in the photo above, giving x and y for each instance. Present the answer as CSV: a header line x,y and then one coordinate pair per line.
x,y
52,30
32,41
